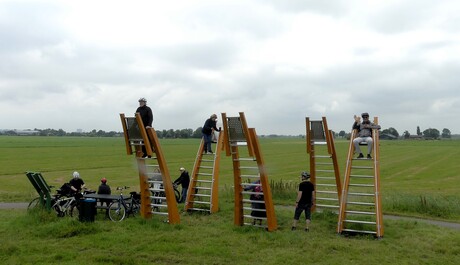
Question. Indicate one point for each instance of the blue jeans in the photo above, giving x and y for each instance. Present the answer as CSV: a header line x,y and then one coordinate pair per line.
x,y
183,195
207,142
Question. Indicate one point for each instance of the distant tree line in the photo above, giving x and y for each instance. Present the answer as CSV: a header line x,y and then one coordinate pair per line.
x,y
392,133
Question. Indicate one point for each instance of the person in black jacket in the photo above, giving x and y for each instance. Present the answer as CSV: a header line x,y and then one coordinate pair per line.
x,y
184,180
104,189
146,116
304,201
208,127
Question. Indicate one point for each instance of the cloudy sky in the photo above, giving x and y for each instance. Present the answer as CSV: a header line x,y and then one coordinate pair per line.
x,y
78,64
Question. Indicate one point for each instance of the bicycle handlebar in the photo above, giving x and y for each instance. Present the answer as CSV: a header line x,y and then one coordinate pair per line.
x,y
122,188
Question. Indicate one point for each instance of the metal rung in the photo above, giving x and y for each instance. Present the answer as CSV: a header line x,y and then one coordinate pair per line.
x,y
253,201
249,168
251,224
326,192
327,199
202,202
157,198
326,185
254,217
360,222
206,167
206,160
361,194
361,176
158,205
323,163
249,176
201,195
204,174
322,156
362,203
252,193
160,213
359,231
360,167
204,181
325,170
326,178
245,159
202,188
155,181
251,185
199,209
155,190
253,209
360,185
360,212
319,143
327,206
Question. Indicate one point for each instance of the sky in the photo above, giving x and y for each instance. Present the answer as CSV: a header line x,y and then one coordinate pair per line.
x,y
79,64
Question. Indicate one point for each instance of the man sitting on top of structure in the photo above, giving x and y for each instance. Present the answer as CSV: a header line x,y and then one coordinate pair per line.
x,y
364,134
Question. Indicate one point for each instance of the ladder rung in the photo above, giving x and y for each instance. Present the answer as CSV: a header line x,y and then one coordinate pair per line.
x,y
249,176
252,193
202,202
254,209
320,156
204,174
361,176
245,159
199,209
253,201
206,160
360,222
361,194
361,167
360,212
326,178
202,188
327,199
325,170
319,142
204,181
251,224
158,205
323,163
155,181
251,185
160,213
254,217
206,167
326,192
156,190
249,168
158,198
359,231
327,206
201,195
362,203
360,185
327,185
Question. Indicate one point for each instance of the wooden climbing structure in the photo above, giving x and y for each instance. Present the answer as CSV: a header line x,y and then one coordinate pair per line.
x,y
157,194
324,168
203,191
253,198
360,207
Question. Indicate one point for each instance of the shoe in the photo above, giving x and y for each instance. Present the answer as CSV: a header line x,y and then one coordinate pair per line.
x,y
369,156
210,152
205,153
360,155
307,229
293,228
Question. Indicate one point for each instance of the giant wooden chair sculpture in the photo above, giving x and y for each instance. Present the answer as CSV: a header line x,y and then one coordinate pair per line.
x,y
249,175
157,194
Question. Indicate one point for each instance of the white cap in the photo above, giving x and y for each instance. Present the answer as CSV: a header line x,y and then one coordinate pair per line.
x,y
182,169
76,174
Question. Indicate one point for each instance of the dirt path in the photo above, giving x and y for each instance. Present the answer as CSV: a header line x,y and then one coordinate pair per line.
x,y
23,205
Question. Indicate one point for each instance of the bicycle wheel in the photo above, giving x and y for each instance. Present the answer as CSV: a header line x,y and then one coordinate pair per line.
x,y
117,211
34,204
177,194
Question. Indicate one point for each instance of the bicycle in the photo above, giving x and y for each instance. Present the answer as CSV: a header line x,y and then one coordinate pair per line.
x,y
122,207
158,194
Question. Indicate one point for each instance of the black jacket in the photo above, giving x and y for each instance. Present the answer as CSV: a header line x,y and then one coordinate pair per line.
x,y
146,115
208,126
183,179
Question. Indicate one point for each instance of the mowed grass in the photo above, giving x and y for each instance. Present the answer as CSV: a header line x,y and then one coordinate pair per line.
x,y
413,174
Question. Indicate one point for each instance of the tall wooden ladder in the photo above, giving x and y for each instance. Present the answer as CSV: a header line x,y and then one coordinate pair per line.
x,y
248,173
324,168
203,191
155,199
360,207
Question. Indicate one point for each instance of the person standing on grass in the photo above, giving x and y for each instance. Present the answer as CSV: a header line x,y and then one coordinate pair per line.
x,y
184,180
364,134
304,201
104,189
208,127
146,116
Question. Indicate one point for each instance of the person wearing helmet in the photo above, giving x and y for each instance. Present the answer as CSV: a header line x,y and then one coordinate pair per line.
x,y
147,118
104,189
208,128
364,134
76,183
304,201
184,180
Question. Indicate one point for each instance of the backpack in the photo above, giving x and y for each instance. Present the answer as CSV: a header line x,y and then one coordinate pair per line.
x,y
65,190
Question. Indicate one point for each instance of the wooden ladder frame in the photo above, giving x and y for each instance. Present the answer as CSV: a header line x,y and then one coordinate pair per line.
x,y
153,149
329,140
342,218
214,192
254,150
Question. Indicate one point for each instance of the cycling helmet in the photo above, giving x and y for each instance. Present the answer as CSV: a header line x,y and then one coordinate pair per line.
x,y
305,174
365,114
103,180
142,100
76,174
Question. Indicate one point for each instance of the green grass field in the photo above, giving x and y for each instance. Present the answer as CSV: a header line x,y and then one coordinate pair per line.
x,y
418,178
